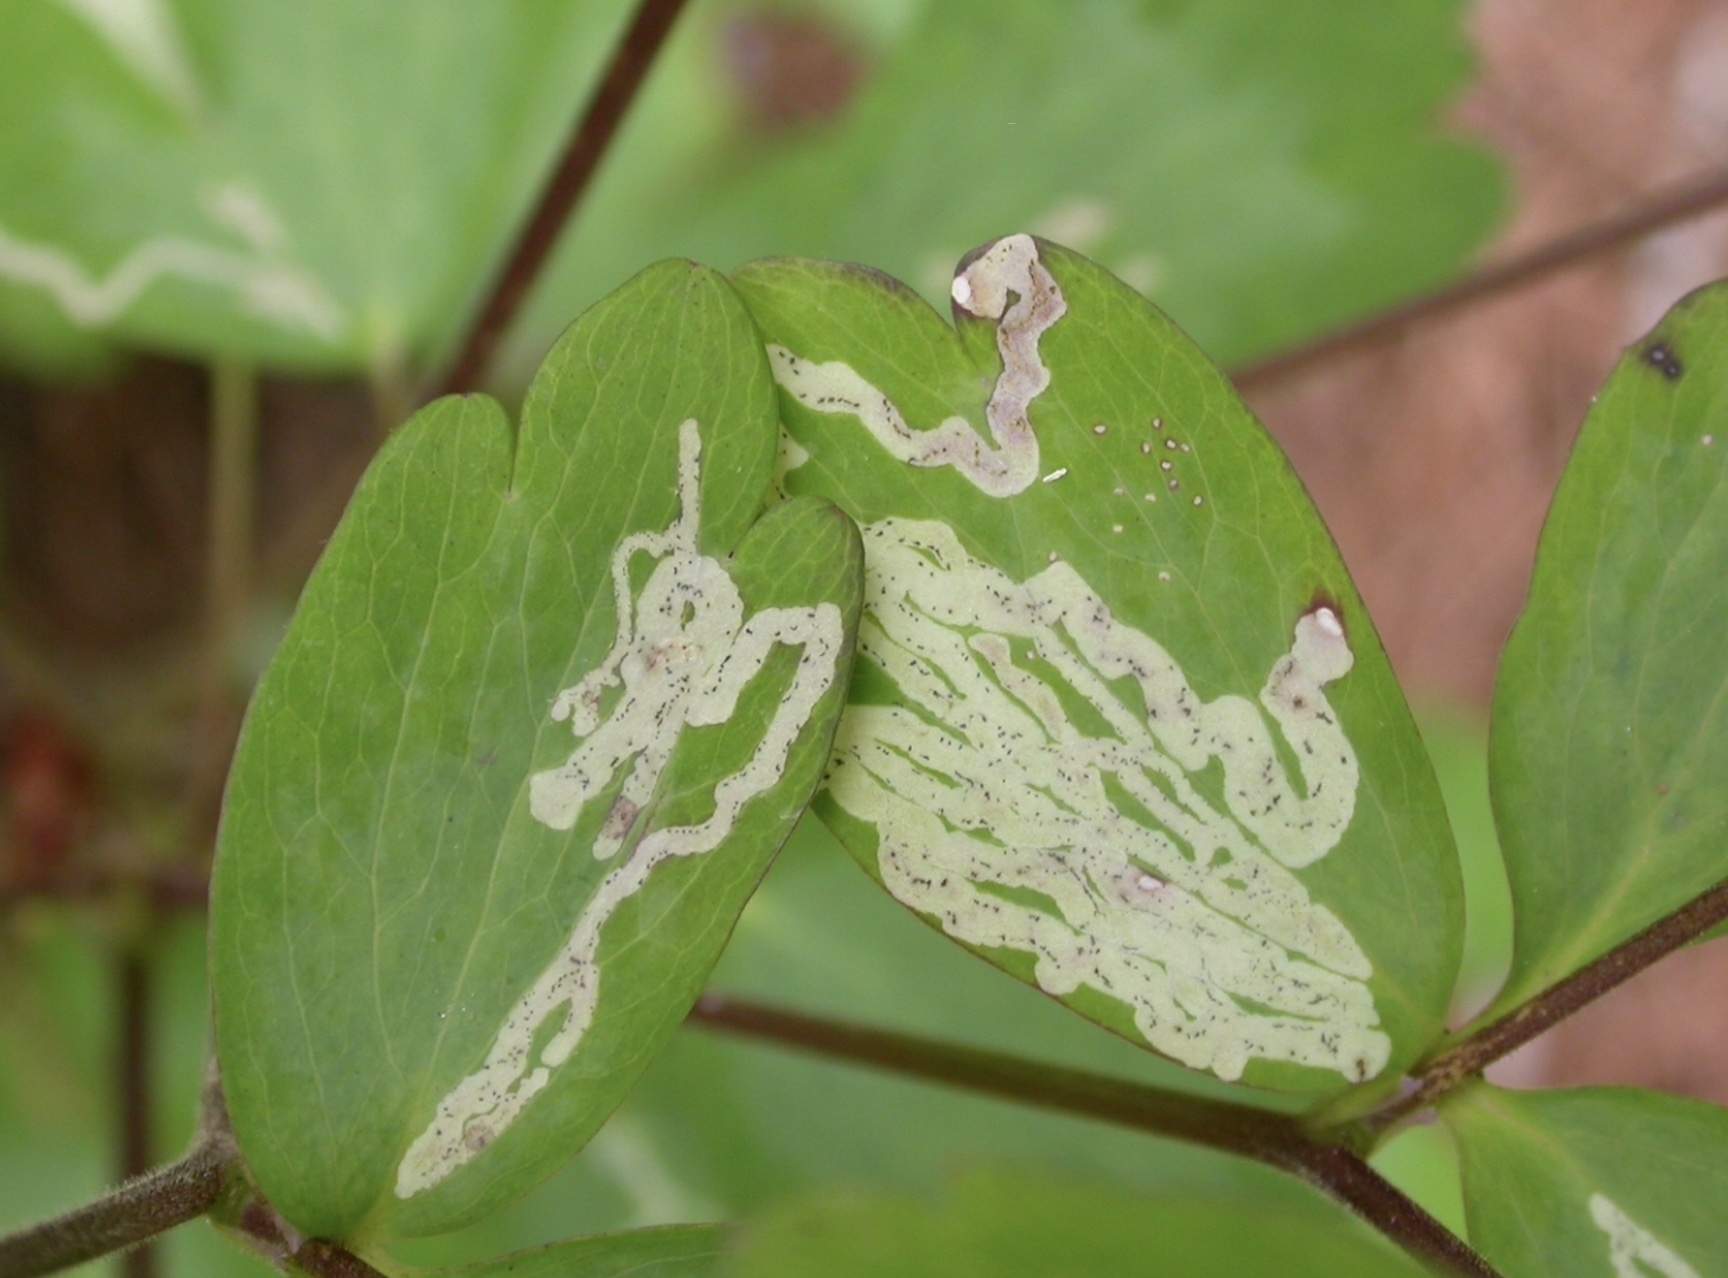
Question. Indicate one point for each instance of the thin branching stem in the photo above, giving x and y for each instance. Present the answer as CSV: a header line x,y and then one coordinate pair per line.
x,y
1483,1047
1275,1139
619,86
138,1210
133,1086
1677,205
232,502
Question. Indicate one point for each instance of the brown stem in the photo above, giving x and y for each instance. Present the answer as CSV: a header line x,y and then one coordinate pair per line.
x,y
133,1087
1276,1139
309,1255
618,88
322,1260
138,1210
247,1213
1555,1004
1678,205
1350,1180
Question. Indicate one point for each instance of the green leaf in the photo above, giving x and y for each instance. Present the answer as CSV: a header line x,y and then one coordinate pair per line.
x,y
681,1251
1086,563
316,185
1285,169
722,1127
999,1226
1610,728
429,906
1601,1180
1458,744
1422,1160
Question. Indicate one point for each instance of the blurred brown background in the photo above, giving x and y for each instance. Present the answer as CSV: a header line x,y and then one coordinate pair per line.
x,y
1434,455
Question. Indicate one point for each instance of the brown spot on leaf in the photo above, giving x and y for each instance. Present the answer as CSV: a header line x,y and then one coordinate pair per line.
x,y
619,819
1661,357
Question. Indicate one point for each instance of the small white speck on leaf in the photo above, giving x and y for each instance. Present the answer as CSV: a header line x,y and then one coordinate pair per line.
x,y
1101,429
1146,448
1708,440
1152,497
1163,576
1115,528
1199,501
1056,474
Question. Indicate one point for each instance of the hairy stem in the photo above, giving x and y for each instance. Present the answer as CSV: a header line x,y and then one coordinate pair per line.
x,y
138,1210
618,88
1485,1046
132,1084
1276,1139
1677,205
308,1255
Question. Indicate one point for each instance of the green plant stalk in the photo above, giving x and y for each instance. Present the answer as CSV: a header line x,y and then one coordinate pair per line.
x,y
1278,1140
232,496
133,1084
232,504
138,1210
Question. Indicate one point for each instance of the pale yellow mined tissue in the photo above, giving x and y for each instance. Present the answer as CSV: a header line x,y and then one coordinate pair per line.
x,y
260,276
1634,1251
1085,841
683,654
1007,462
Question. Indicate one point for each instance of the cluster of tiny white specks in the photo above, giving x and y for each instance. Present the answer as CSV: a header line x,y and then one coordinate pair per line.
x,y
1167,458
1005,464
683,654
1634,1251
1188,915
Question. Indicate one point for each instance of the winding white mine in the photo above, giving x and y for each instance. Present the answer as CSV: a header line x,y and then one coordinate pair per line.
x,y
1028,800
1007,462
262,280
146,38
683,654
1633,1250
